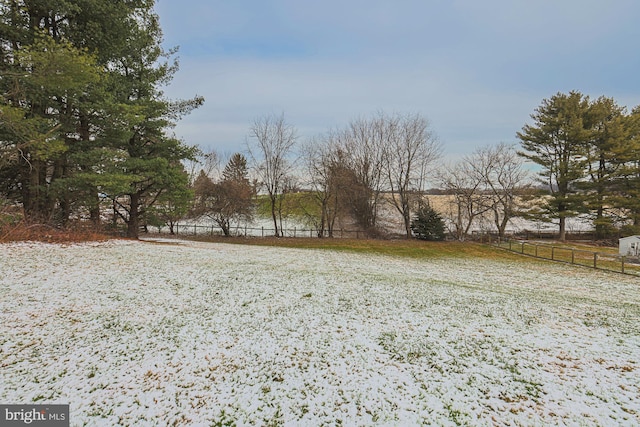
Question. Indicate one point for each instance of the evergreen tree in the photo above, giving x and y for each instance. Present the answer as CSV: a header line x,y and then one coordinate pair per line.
x,y
45,84
428,224
172,205
625,194
607,150
557,141
236,169
82,113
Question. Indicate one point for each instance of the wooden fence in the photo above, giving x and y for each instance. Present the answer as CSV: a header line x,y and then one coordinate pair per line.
x,y
597,260
213,230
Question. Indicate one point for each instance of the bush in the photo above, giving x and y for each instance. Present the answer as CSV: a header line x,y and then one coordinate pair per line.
x,y
23,231
428,224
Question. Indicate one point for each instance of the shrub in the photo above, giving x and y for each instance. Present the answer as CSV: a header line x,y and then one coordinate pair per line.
x,y
23,231
428,224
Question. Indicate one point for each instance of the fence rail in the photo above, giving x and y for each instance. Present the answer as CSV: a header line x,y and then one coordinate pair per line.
x,y
214,230
247,231
586,235
597,260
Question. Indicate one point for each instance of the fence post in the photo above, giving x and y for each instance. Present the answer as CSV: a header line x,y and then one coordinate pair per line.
x,y
595,260
573,256
522,248
294,232
553,253
262,228
622,264
536,251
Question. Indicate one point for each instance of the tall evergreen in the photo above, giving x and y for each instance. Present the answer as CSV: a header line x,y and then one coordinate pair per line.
x,y
625,193
557,142
151,160
607,150
83,114
46,80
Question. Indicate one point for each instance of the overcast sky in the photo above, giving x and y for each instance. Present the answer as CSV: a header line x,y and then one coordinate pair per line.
x,y
476,69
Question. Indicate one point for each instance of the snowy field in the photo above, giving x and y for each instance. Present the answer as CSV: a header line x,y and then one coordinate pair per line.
x,y
194,334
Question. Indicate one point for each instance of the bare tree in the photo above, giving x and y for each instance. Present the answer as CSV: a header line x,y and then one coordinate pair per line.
x,y
274,140
353,167
501,171
469,199
317,154
336,187
228,200
410,148
362,146
208,163
490,180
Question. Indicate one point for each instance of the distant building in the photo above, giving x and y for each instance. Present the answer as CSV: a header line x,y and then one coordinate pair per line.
x,y
629,246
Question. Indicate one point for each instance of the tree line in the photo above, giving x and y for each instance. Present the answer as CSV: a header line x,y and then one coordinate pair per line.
x,y
586,155
588,152
85,137
83,120
345,174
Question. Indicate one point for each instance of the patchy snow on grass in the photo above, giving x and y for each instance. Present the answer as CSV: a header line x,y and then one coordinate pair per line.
x,y
146,334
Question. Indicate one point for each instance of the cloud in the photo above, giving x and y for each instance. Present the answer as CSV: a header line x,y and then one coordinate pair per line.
x,y
477,70
316,96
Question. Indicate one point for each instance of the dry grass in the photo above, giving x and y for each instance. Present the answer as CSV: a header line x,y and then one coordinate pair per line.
x,y
400,247
580,254
23,231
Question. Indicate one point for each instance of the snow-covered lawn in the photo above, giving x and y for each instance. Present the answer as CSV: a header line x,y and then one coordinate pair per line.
x,y
140,333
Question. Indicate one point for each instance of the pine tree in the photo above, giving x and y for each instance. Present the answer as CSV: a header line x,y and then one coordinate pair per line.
x,y
428,224
607,150
557,141
83,114
236,169
625,194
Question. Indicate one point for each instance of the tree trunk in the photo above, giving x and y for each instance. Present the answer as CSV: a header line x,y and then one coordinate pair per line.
x,y
323,217
503,226
226,226
601,229
274,216
94,212
501,223
406,216
64,213
32,197
133,225
562,226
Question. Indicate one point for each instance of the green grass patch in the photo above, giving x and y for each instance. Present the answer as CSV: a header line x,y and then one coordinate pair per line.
x,y
300,206
401,248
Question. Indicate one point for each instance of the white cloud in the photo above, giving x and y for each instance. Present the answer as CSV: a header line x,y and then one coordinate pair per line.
x,y
316,96
477,70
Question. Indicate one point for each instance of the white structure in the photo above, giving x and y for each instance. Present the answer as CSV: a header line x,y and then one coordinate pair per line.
x,y
629,246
